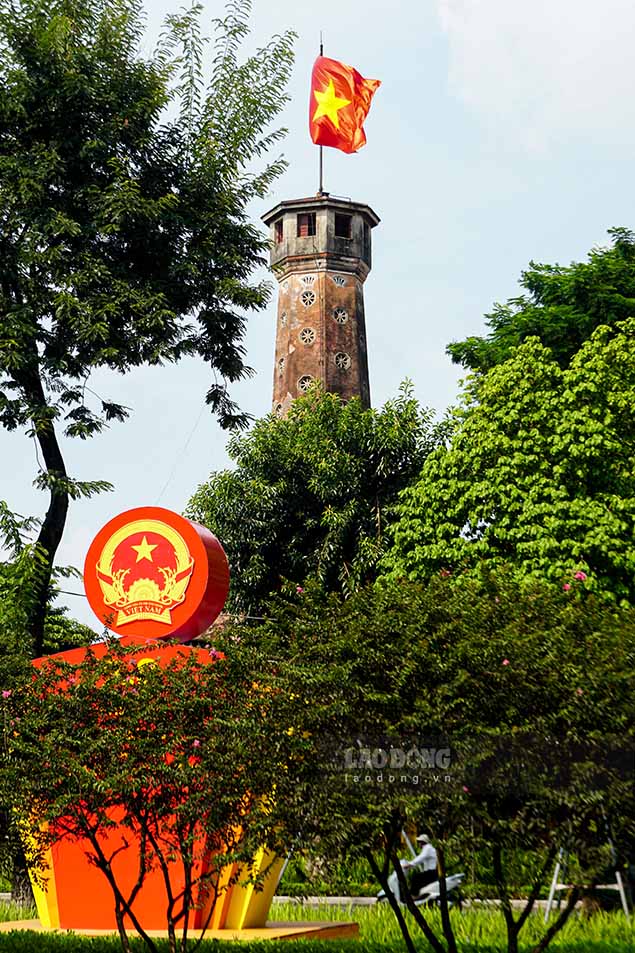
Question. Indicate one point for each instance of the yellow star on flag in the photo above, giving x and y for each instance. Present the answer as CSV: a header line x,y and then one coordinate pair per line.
x,y
329,104
144,549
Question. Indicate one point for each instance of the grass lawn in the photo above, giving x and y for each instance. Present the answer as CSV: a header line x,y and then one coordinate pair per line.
x,y
476,930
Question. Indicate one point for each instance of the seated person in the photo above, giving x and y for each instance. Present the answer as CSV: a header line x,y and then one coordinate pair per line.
x,y
425,866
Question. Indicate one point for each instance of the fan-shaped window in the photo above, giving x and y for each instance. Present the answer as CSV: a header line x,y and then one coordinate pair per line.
x,y
308,280
339,280
340,315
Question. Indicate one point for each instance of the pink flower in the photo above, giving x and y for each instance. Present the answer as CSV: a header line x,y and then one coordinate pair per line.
x,y
579,575
6,693
505,661
299,589
196,743
567,586
466,789
579,691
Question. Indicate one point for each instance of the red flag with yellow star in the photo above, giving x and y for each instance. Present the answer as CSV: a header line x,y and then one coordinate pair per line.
x,y
339,104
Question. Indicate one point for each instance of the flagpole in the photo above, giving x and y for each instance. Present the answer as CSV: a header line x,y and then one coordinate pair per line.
x,y
321,188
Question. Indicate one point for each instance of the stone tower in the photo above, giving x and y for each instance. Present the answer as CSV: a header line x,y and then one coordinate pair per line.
x,y
321,255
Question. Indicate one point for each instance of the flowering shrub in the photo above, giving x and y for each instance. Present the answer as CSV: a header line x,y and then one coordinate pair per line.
x,y
527,687
179,757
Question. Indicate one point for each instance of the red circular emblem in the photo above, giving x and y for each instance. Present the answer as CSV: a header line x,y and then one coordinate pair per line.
x,y
153,573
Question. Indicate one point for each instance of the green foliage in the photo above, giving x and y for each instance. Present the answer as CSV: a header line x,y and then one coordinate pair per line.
x,y
563,306
174,753
529,687
20,577
16,644
539,473
119,226
478,931
125,238
62,632
313,493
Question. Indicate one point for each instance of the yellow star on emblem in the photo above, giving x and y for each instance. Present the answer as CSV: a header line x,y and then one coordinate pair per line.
x,y
329,104
144,549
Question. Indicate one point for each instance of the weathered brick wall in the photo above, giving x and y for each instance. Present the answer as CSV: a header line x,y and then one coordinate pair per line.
x,y
321,335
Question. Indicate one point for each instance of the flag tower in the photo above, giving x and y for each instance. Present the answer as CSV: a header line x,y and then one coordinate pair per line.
x,y
321,257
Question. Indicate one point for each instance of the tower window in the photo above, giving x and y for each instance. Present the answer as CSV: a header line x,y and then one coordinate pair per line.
x,y
306,224
339,280
342,360
304,383
343,225
278,231
281,364
307,335
307,298
340,315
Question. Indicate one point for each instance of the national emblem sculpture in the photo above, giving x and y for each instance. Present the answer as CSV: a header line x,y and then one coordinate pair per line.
x,y
150,575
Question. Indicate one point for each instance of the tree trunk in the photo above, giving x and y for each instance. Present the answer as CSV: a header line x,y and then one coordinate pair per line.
x,y
503,896
383,882
448,932
21,891
54,522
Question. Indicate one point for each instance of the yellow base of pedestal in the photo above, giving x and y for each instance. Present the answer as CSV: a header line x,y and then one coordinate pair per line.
x,y
272,931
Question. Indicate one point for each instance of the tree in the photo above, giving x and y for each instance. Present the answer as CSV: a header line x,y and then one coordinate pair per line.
x,y
538,473
312,493
18,579
490,713
124,237
170,762
562,307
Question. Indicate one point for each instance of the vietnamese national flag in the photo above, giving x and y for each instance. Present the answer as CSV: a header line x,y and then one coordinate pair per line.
x,y
339,104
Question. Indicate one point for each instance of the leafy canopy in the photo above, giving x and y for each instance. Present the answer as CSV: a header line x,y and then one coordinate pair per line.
x,y
124,233
539,473
563,306
530,689
125,238
312,493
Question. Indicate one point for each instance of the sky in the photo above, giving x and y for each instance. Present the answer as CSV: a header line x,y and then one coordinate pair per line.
x,y
502,133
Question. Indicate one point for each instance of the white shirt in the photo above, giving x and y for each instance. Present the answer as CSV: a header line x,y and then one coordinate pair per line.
x,y
427,859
